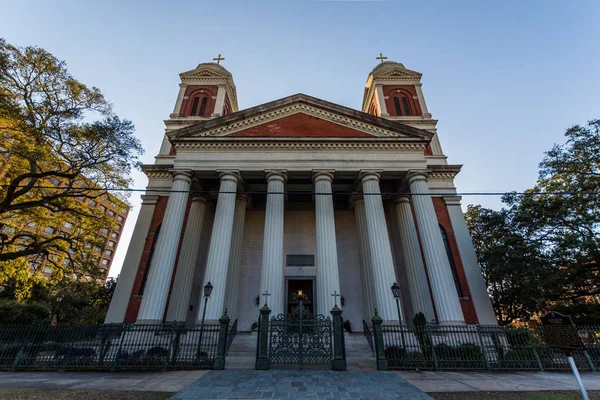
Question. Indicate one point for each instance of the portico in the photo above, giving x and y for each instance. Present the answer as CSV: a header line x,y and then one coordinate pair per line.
x,y
298,192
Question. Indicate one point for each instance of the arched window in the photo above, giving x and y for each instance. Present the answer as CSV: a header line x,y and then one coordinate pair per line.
x,y
397,106
149,264
203,106
195,106
451,261
406,107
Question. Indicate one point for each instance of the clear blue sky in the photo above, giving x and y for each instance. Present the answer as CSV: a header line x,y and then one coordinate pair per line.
x,y
504,78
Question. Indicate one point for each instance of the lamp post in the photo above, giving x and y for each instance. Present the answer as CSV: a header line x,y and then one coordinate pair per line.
x,y
207,291
59,299
396,293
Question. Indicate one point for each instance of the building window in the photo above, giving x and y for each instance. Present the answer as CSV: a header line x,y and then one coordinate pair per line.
x,y
111,213
397,106
118,228
104,261
47,270
451,261
406,107
49,230
203,106
104,231
97,249
66,261
68,225
92,203
149,263
111,243
108,252
114,235
195,106
119,218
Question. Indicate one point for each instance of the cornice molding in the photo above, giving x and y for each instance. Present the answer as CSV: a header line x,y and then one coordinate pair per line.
x,y
416,147
295,109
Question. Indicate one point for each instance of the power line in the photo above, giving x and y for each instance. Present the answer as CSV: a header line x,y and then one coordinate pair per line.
x,y
308,192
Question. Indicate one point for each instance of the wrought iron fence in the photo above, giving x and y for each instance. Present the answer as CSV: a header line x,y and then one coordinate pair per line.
x,y
231,335
478,347
108,347
368,336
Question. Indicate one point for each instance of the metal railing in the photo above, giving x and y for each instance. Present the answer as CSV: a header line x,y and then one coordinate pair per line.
x,y
108,347
477,347
368,336
231,335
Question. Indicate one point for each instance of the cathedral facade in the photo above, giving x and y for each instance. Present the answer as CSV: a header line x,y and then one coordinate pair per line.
x,y
301,194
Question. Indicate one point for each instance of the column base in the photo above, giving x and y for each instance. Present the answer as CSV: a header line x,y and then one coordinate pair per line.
x,y
262,364
339,365
382,365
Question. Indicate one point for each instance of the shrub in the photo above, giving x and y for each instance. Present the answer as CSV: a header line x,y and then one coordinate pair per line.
x,y
157,352
347,327
12,312
395,352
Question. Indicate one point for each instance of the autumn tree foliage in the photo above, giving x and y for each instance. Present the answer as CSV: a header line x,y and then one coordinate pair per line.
x,y
61,147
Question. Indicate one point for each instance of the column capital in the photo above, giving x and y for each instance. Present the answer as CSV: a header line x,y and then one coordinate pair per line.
x,y
199,199
149,199
452,200
230,174
357,198
369,175
182,174
403,198
242,198
416,175
323,174
276,174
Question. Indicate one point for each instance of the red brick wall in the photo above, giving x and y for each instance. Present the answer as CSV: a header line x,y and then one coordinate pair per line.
x,y
198,91
300,125
444,220
407,91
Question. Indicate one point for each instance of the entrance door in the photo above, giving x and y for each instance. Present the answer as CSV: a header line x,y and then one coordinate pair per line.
x,y
293,303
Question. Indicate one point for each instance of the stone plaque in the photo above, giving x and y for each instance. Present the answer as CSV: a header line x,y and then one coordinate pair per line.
x,y
560,331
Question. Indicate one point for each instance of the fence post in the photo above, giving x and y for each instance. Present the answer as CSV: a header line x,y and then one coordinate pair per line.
x,y
535,353
483,350
222,343
119,355
170,350
262,359
339,361
382,363
433,355
589,360
70,351
23,346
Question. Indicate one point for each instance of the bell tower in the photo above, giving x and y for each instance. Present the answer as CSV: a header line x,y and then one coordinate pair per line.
x,y
206,92
394,92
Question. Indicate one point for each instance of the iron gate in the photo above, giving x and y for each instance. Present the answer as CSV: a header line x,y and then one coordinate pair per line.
x,y
300,338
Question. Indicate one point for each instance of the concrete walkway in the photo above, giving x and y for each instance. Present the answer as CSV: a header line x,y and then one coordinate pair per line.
x,y
436,382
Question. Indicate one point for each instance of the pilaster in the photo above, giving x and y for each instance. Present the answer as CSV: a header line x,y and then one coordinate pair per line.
x,y
179,101
220,101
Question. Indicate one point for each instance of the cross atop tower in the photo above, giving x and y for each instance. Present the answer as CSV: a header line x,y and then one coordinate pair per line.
x,y
218,59
381,57
335,296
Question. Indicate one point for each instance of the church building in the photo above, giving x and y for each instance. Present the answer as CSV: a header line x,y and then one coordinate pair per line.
x,y
301,194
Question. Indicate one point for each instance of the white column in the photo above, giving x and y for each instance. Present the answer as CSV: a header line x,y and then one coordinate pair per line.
x,y
235,257
220,243
177,107
381,101
384,275
184,275
477,287
120,300
159,278
272,256
422,103
219,102
415,269
366,267
328,278
442,283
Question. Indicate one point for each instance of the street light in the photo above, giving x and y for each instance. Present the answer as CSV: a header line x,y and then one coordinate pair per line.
x,y
396,293
207,291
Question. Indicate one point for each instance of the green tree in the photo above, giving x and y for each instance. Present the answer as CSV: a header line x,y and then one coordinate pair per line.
x,y
61,146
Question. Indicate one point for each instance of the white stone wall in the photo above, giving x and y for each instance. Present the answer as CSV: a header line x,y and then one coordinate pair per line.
x,y
299,238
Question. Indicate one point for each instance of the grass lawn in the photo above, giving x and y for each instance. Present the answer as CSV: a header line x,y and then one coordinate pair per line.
x,y
71,394
554,395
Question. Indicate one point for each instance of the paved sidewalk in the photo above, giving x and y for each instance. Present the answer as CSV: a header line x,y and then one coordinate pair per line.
x,y
435,382
170,381
289,384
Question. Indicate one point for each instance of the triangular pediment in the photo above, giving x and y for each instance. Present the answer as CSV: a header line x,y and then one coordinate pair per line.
x,y
206,70
392,69
299,116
